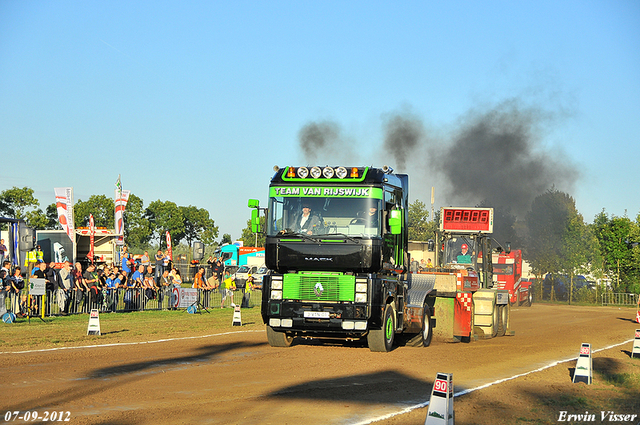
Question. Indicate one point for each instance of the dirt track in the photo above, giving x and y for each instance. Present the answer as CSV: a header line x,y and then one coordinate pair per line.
x,y
238,378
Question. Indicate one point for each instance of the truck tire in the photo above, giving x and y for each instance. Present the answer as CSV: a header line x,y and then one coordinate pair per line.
x,y
381,340
503,311
278,339
423,339
496,320
529,300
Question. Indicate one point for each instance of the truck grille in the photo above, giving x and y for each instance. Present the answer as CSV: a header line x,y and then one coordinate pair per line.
x,y
318,287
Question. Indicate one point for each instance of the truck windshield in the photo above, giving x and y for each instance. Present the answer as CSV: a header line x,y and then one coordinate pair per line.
x,y
460,250
324,216
503,269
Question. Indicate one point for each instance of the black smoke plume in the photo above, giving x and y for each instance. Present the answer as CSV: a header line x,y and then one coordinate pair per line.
x,y
318,139
403,136
496,158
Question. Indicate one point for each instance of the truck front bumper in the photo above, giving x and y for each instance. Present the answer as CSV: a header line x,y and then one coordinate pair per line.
x,y
308,317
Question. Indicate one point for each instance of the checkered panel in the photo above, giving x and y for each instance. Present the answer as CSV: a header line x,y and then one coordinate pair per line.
x,y
464,298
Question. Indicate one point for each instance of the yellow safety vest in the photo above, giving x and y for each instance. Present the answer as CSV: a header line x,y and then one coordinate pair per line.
x,y
30,258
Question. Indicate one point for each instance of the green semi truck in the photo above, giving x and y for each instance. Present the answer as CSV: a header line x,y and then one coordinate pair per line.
x,y
336,250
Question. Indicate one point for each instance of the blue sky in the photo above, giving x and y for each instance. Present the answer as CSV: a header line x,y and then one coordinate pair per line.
x,y
195,102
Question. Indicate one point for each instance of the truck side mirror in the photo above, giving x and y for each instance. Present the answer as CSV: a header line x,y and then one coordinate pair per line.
x,y
395,222
507,248
255,221
431,245
254,203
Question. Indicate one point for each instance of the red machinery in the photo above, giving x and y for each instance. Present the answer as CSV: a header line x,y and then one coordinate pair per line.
x,y
507,273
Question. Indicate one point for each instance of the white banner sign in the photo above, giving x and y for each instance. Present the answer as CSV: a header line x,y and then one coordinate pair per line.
x,y
184,297
37,286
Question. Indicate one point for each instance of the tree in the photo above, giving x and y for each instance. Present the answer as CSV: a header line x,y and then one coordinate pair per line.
x,y
580,248
418,225
100,206
15,202
504,226
226,238
547,224
52,216
37,219
614,234
249,238
137,229
165,216
198,225
634,244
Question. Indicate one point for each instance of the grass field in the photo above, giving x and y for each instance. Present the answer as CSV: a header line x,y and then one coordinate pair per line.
x,y
120,327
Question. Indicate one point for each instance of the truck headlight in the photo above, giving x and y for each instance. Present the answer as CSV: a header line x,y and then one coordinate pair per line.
x,y
276,295
361,287
361,298
276,284
274,323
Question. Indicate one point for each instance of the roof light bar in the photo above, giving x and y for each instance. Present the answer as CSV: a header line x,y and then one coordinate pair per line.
x,y
303,172
316,172
341,172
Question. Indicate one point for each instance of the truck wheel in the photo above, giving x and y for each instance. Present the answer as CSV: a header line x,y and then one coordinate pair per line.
x,y
529,298
496,320
423,339
278,339
503,311
381,340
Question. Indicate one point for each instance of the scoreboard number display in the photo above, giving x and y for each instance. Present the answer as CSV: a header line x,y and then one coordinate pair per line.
x,y
468,220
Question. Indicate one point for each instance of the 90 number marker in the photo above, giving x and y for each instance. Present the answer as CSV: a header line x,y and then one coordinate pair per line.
x,y
32,416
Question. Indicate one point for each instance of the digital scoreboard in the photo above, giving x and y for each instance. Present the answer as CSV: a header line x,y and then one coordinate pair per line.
x,y
466,220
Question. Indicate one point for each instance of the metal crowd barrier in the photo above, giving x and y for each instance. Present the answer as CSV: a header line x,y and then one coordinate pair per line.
x,y
118,301
609,298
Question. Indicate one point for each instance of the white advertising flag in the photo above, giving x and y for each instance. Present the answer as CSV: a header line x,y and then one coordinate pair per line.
x,y
121,204
64,205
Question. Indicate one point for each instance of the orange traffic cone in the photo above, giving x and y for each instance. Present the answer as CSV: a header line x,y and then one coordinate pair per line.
x,y
638,316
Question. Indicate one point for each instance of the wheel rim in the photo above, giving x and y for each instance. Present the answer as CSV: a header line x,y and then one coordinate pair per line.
x,y
389,329
427,329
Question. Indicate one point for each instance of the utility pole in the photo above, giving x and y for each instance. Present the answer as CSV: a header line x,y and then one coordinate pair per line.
x,y
433,199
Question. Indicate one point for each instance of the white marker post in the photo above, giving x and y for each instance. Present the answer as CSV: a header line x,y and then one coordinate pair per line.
x,y
94,323
237,318
441,404
583,365
636,344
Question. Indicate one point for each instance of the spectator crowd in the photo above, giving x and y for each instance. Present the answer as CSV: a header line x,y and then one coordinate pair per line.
x,y
130,285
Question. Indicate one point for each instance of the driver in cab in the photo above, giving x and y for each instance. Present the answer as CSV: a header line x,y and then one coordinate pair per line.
x,y
368,218
306,222
464,256
372,217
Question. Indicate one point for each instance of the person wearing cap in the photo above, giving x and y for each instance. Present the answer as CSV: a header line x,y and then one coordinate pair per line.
x,y
464,256
307,222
